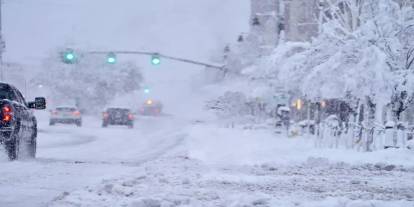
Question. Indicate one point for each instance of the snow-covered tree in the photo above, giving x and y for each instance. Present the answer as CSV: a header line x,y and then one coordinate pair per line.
x,y
361,47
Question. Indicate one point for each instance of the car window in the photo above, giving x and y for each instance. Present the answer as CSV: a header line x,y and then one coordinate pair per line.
x,y
6,92
65,109
20,97
124,111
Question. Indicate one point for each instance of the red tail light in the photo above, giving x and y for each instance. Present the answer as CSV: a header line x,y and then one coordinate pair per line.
x,y
130,116
7,113
77,113
6,109
105,115
54,112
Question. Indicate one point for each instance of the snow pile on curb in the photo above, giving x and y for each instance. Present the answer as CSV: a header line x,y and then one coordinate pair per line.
x,y
228,146
3,154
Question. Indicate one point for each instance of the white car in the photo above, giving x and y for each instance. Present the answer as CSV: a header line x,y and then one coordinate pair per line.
x,y
65,115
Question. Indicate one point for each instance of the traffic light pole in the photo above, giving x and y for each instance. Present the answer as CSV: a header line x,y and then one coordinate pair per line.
x,y
161,56
2,45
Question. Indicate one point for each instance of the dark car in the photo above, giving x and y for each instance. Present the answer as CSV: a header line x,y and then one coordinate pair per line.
x,y
18,125
118,116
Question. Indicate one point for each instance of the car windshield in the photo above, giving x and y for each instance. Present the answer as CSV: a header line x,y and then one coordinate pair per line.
x,y
120,111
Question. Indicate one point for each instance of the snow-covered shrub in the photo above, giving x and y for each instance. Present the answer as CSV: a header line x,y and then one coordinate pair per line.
x,y
231,104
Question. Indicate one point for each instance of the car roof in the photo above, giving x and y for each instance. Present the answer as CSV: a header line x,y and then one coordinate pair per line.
x,y
5,84
66,107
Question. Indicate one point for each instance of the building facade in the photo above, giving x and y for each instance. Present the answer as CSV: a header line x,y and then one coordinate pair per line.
x,y
273,21
301,19
264,23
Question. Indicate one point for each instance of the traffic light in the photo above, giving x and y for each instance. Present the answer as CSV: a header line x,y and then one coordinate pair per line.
x,y
155,59
69,56
147,90
111,58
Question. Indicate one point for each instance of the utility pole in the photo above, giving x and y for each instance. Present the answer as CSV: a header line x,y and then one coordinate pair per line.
x,y
2,45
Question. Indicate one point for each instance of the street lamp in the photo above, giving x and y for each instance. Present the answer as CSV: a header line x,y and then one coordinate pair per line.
x,y
299,104
323,104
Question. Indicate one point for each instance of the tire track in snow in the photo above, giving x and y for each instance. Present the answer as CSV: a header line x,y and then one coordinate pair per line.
x,y
155,154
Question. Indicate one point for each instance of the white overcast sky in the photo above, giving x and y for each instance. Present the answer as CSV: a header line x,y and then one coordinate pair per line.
x,y
191,28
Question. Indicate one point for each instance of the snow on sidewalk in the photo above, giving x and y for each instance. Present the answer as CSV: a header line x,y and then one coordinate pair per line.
x,y
235,146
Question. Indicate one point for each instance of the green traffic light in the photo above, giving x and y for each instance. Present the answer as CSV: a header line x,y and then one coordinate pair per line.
x,y
155,60
111,59
68,56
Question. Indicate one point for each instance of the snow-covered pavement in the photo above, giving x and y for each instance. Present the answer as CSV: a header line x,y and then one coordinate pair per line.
x,y
167,161
70,157
181,181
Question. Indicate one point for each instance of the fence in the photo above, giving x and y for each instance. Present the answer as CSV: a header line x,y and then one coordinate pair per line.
x,y
360,137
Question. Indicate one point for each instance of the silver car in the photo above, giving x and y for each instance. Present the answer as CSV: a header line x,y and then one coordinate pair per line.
x,y
65,115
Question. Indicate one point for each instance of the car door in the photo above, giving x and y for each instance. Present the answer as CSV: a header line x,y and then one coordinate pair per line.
x,y
26,116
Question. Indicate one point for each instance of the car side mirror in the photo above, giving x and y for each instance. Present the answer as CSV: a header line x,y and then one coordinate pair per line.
x,y
39,103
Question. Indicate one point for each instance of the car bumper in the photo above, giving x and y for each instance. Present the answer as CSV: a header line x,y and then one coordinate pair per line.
x,y
65,120
129,122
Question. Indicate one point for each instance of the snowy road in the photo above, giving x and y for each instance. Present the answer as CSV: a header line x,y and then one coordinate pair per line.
x,y
166,161
70,158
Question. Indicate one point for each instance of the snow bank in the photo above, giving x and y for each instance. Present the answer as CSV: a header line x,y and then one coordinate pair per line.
x,y
338,202
246,147
179,181
3,155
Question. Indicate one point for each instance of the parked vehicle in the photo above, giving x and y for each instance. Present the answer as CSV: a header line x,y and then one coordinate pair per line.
x,y
65,115
18,125
118,116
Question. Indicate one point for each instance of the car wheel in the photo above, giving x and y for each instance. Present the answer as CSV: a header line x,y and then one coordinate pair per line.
x,y
130,126
32,148
12,148
13,145
104,125
79,123
32,144
27,149
51,123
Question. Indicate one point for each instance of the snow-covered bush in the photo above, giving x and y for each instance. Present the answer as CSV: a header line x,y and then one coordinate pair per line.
x,y
231,104
238,108
91,83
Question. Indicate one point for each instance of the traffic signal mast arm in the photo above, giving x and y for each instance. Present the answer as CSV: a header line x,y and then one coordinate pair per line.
x,y
160,56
